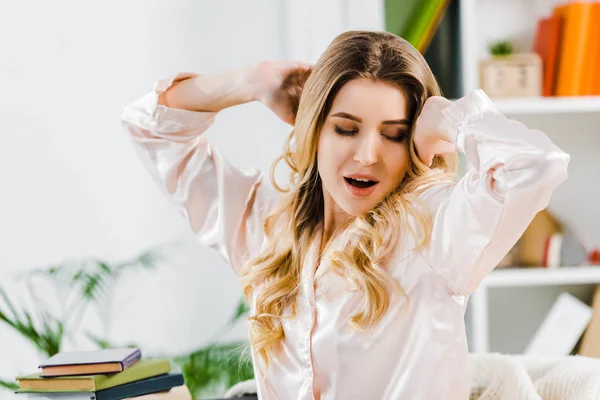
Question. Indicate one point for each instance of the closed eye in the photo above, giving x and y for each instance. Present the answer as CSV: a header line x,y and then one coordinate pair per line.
x,y
399,138
344,132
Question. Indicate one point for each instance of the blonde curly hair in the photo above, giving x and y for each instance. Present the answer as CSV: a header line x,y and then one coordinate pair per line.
x,y
291,227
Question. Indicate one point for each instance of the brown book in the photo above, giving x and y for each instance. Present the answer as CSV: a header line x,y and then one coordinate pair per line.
x,y
142,369
532,244
104,361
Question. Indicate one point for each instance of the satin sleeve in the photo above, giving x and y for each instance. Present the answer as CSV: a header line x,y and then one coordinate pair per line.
x,y
477,220
224,205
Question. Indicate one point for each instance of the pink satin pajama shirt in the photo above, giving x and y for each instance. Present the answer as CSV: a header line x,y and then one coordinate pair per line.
x,y
419,353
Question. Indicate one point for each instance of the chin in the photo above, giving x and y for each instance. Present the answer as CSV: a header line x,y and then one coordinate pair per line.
x,y
356,210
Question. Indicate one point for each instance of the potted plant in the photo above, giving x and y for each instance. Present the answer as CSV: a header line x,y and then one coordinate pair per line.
x,y
509,74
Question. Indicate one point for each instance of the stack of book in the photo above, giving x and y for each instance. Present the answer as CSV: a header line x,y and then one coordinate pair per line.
x,y
568,41
110,374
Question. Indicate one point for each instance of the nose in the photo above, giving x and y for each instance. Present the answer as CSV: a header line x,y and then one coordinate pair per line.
x,y
367,152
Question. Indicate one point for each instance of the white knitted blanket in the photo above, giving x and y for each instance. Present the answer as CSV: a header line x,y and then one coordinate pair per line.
x,y
504,377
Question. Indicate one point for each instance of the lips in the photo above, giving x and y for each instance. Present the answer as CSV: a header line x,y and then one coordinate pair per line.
x,y
360,185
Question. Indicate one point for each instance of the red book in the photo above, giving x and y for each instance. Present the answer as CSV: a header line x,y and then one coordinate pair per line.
x,y
546,45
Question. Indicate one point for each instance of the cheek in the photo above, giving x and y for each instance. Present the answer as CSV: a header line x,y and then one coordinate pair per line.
x,y
330,155
323,149
397,164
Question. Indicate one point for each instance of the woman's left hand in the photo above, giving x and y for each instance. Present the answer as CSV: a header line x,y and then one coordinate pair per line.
x,y
434,135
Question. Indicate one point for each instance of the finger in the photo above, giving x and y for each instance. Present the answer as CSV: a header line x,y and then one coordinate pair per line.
x,y
422,153
301,67
443,147
426,157
288,118
439,101
429,160
304,65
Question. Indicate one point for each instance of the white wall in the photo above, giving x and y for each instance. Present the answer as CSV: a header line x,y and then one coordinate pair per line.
x,y
72,186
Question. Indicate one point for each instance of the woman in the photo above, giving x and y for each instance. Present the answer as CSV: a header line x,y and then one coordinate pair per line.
x,y
358,275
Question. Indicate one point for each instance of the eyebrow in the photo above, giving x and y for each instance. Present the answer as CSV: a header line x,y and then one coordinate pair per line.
x,y
345,115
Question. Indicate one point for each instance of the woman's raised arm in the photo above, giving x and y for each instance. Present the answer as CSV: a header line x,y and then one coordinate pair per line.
x,y
225,205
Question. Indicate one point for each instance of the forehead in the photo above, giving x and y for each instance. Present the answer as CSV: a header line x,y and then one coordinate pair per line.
x,y
373,100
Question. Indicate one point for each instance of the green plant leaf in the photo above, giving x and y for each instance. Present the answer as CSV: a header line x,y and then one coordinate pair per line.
x,y
215,367
47,339
207,370
8,302
8,384
501,48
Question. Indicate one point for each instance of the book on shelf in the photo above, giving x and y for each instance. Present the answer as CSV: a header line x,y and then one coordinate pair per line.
x,y
562,327
532,245
399,14
590,343
422,28
591,78
415,20
564,250
568,41
576,20
142,369
546,45
103,361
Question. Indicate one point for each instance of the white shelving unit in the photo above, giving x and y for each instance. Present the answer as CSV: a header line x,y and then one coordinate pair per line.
x,y
473,42
509,302
517,277
520,278
573,124
549,105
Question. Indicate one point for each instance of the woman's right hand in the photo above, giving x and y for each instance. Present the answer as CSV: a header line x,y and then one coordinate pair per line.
x,y
279,85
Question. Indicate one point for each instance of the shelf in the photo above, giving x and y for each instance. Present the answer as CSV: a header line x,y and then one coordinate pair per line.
x,y
513,277
548,105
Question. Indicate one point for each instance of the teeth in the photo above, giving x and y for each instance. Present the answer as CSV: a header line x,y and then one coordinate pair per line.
x,y
361,180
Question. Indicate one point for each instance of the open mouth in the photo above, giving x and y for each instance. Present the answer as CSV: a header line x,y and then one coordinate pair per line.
x,y
360,183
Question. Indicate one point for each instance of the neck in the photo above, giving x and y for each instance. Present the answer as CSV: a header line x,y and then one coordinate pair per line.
x,y
334,220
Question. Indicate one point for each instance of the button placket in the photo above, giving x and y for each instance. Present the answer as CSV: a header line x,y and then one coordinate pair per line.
x,y
308,285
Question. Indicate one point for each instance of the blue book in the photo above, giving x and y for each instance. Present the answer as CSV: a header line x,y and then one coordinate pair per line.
x,y
155,384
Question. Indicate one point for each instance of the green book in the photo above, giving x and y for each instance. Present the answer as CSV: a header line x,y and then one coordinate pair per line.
x,y
399,14
414,20
142,369
425,23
